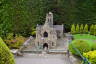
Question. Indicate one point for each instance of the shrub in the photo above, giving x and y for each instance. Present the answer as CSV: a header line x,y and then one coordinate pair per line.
x,y
77,29
81,28
81,45
73,29
6,56
95,30
15,43
92,29
86,29
10,36
91,56
33,33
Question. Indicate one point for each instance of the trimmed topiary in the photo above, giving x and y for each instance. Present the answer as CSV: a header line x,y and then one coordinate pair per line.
x,y
86,29
77,29
95,30
80,45
6,56
81,29
73,29
92,30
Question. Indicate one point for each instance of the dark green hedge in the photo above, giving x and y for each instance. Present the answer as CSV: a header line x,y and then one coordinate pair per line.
x,y
6,56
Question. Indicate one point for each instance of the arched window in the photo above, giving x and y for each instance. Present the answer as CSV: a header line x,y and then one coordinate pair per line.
x,y
45,34
52,44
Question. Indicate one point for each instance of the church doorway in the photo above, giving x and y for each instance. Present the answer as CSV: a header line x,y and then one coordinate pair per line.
x,y
45,45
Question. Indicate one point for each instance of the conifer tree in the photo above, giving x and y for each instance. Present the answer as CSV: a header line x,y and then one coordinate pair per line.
x,y
95,30
73,29
92,29
77,29
86,29
81,28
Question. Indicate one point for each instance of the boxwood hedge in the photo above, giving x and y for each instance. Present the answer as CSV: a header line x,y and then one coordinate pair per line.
x,y
6,56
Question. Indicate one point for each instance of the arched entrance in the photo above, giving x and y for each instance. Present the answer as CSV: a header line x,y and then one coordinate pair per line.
x,y
45,45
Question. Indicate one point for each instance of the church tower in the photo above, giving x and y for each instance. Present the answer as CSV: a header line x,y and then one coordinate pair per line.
x,y
49,19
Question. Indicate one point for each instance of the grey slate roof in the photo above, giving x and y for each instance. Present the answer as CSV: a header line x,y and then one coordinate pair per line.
x,y
56,27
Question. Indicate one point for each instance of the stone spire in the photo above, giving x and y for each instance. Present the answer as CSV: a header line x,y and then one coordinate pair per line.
x,y
49,19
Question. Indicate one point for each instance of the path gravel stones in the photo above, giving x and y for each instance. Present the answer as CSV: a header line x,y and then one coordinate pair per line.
x,y
43,59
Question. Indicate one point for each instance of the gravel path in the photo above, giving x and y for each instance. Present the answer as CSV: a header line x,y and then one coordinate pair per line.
x,y
42,59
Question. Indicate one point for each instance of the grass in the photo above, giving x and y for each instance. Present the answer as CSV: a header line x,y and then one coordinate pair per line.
x,y
85,36
89,38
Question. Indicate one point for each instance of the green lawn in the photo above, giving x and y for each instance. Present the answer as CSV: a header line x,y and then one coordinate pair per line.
x,y
85,36
89,38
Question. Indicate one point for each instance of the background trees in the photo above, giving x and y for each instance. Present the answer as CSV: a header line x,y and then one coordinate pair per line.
x,y
21,16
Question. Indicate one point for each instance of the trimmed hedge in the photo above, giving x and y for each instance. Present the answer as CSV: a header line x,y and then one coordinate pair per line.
x,y
81,45
6,56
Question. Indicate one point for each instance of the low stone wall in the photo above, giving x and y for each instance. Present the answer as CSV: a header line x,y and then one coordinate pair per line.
x,y
57,52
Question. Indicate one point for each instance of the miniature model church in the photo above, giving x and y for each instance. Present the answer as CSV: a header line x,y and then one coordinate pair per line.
x,y
48,34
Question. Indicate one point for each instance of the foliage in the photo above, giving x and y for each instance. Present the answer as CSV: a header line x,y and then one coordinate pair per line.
x,y
5,20
81,29
73,29
6,56
15,42
91,56
81,45
92,30
95,30
10,36
77,29
33,32
89,38
86,29
20,15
